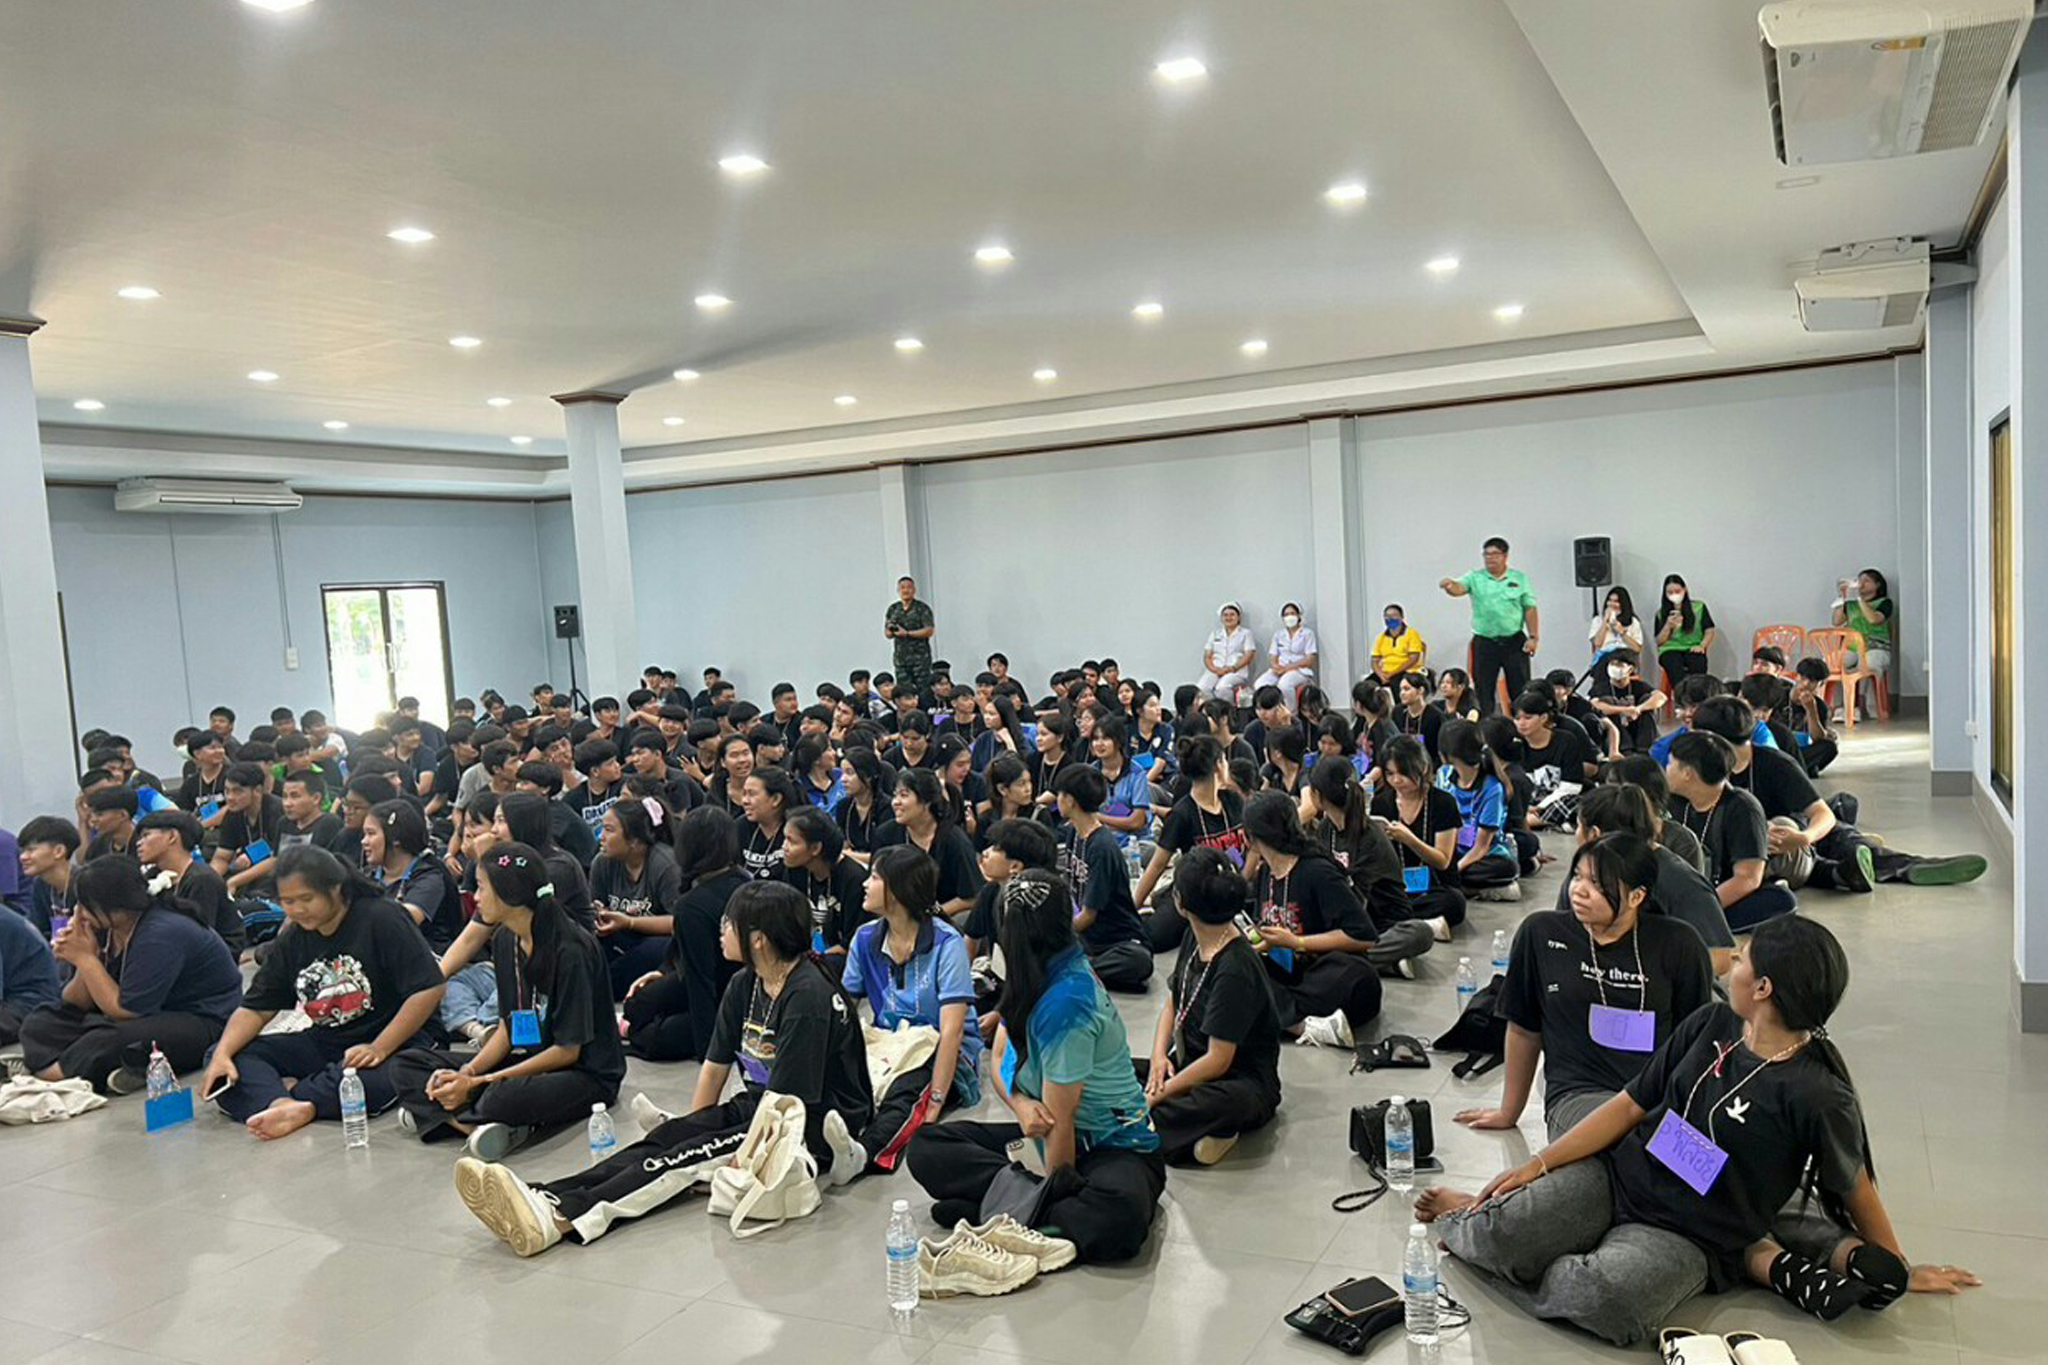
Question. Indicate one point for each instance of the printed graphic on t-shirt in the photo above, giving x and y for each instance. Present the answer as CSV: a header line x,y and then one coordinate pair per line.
x,y
633,907
1287,916
1230,841
334,991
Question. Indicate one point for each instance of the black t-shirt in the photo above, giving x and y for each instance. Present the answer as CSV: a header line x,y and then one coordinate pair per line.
x,y
1439,812
1778,782
1373,864
1228,999
952,850
572,887
572,836
424,886
1682,892
1564,759
860,830
695,955
447,776
238,831
1734,831
1095,868
1188,826
1424,727
322,833
1550,988
760,852
805,1042
1770,1120
1313,898
985,918
573,1000
208,892
173,964
836,901
654,892
103,846
351,982
195,791
1636,735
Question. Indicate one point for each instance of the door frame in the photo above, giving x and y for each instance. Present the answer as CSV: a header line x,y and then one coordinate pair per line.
x,y
384,591
2004,609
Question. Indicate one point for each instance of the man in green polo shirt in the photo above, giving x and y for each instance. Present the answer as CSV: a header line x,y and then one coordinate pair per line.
x,y
1504,624
910,624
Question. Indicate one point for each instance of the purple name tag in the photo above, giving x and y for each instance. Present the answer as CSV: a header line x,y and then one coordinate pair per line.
x,y
1687,1153
1623,1030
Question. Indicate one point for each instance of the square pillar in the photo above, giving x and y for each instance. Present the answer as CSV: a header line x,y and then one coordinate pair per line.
x,y
604,551
1336,554
1949,500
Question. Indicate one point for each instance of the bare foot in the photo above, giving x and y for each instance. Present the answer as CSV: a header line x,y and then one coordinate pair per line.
x,y
281,1118
1438,1200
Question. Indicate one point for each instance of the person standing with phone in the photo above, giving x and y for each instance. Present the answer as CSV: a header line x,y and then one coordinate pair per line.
x,y
910,625
1505,625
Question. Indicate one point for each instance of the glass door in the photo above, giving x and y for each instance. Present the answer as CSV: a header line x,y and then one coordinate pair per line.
x,y
386,641
2004,533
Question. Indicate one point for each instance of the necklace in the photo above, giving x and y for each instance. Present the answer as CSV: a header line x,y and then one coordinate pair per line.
x,y
1721,1055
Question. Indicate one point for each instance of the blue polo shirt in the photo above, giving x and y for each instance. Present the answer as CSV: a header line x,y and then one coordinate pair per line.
x,y
28,969
938,974
1661,751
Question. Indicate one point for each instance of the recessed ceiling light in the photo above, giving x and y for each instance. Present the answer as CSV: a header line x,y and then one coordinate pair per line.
x,y
908,344
846,400
1180,70
711,303
742,163
1045,375
138,292
1149,309
1254,347
1508,312
89,405
993,254
671,421
465,343
411,236
685,376
1346,192
335,426
498,402
277,6
1442,265
264,376
522,440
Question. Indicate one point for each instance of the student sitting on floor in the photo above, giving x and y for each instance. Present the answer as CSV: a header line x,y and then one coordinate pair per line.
x,y
1313,930
1738,1154
783,1022
28,973
1488,865
672,1012
555,1050
145,972
1592,988
634,887
1681,890
1063,1067
170,841
922,820
814,861
1214,1073
1424,823
1629,703
355,963
912,968
1336,814
1105,915
1730,826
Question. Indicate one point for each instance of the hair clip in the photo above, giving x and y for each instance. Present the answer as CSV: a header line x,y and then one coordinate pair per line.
x,y
546,889
1818,1034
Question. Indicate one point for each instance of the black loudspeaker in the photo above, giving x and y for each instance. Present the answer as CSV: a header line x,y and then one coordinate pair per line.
x,y
1593,561
568,627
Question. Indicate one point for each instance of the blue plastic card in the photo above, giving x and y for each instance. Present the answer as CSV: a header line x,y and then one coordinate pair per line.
x,y
525,1026
818,944
1284,957
209,809
1416,879
257,851
149,801
167,1111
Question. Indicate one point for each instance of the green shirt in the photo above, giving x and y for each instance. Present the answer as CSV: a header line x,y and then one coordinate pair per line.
x,y
1876,634
1681,638
913,657
1498,603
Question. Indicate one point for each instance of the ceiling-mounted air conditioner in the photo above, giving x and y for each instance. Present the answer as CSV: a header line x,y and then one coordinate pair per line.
x,y
203,495
1857,80
1866,286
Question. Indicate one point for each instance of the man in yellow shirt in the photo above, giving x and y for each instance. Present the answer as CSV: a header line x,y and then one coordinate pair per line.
x,y
1398,649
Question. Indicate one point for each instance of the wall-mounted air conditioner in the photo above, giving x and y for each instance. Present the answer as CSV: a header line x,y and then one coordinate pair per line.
x,y
1856,80
203,495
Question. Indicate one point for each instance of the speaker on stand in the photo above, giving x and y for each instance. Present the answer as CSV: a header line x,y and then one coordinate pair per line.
x,y
568,628
1592,569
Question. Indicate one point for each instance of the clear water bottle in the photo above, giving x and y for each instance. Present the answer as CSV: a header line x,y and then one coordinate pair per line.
x,y
1468,983
355,1110
1418,1285
1500,952
1134,866
902,1244
604,1139
1400,1145
162,1080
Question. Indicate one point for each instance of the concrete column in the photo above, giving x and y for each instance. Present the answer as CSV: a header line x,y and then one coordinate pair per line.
x,y
2027,207
38,755
1909,587
1947,499
906,549
604,551
1336,552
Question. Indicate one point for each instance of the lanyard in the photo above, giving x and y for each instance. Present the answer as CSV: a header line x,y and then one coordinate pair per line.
x,y
1180,1016
1721,1055
1635,939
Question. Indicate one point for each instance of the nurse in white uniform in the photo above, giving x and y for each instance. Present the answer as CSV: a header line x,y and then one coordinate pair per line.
x,y
1227,657
1293,656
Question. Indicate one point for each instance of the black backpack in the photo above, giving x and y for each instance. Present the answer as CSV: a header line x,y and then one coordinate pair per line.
x,y
1480,1034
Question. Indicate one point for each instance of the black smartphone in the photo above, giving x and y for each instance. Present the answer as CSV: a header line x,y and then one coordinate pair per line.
x,y
1362,1296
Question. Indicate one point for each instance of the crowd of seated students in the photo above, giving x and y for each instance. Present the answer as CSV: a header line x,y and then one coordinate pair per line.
x,y
484,921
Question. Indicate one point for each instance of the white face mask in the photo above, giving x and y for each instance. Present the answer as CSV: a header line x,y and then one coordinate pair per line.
x,y
1290,620
1674,598
1618,674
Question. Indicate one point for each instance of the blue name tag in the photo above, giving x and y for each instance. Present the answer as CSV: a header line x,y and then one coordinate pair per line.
x,y
525,1026
818,944
1416,879
167,1111
1687,1153
257,851
149,800
209,809
1283,958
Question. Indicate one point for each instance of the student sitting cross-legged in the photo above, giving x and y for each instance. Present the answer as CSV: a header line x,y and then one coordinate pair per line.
x,y
555,1050
1214,1073
1105,915
790,1030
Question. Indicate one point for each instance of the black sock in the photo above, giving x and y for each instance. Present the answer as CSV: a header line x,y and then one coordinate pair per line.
x,y
1812,1288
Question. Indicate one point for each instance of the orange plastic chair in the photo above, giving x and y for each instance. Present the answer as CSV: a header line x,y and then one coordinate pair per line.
x,y
1834,646
1790,639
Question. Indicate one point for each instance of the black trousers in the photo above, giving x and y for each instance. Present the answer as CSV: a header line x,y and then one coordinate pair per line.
x,y
89,1046
549,1101
1439,902
1164,927
658,1022
1527,846
1495,657
1818,755
636,1180
1124,966
311,1062
630,956
1104,1206
11,1016
1681,664
1231,1104
1488,872
1332,983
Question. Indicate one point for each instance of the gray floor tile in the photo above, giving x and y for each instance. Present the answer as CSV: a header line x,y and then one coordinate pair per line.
x,y
527,1320
21,1341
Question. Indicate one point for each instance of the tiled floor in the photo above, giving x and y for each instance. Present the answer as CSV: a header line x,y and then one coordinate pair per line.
x,y
200,1245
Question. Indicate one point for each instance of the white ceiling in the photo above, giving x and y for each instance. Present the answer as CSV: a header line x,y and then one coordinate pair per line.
x,y
1606,166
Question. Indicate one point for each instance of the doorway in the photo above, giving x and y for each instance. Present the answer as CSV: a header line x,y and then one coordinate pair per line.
x,y
386,641
2004,533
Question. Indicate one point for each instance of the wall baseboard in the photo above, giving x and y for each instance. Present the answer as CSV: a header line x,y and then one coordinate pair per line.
x,y
1951,783
2030,1004
1991,815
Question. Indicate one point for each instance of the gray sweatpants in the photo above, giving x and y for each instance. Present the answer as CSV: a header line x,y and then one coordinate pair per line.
x,y
1399,942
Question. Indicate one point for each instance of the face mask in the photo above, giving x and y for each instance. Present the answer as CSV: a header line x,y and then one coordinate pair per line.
x,y
1290,620
1674,598
1618,674
1394,624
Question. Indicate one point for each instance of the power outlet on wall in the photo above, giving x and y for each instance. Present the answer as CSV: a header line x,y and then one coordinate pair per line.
x,y
291,656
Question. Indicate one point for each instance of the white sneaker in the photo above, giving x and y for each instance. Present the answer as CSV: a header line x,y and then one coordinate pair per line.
x,y
1326,1030
966,1264
1405,969
1007,1234
476,1031
1440,928
1511,892
849,1158
1210,1150
647,1113
502,1202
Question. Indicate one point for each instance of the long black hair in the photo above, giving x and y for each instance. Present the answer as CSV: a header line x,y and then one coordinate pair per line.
x,y
1628,605
1809,975
1004,769
1274,820
518,874
1037,926
1619,862
930,790
863,762
1335,783
1684,608
110,886
325,873
707,844
529,819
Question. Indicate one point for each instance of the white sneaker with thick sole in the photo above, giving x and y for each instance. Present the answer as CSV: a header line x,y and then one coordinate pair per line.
x,y
502,1202
647,1113
1511,892
1007,1234
849,1158
1326,1030
1439,928
965,1264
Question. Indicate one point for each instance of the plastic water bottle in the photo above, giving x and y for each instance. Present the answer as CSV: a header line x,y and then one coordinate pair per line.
x,y
1418,1285
355,1110
902,1243
1500,952
1468,983
1134,866
604,1139
162,1080
1400,1145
